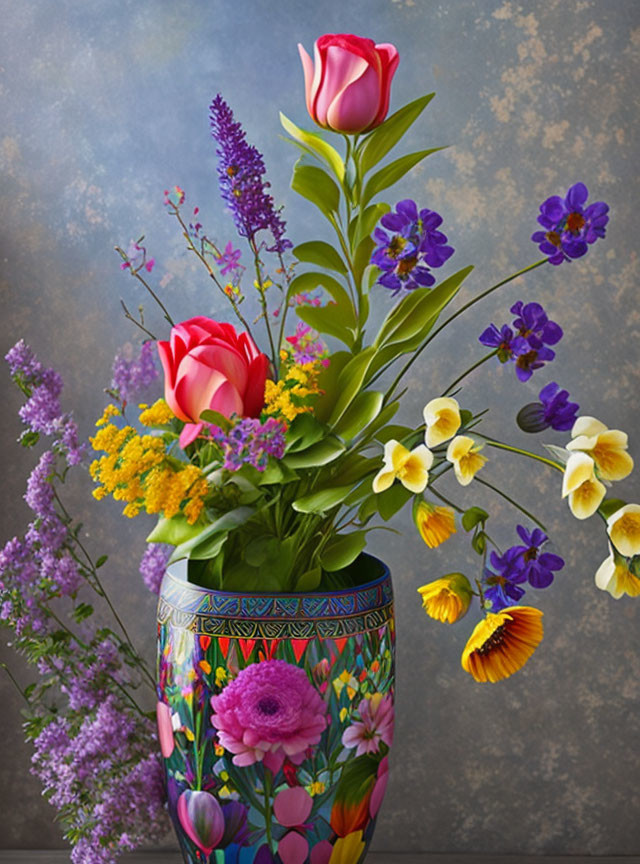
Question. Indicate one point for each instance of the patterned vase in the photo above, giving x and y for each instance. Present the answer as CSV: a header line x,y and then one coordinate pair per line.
x,y
275,719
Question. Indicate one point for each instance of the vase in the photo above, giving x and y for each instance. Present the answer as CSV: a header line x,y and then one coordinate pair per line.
x,y
275,718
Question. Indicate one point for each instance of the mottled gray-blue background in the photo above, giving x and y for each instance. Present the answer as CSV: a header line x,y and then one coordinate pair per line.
x,y
105,104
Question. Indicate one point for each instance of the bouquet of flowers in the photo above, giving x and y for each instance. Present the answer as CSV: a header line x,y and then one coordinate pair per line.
x,y
274,451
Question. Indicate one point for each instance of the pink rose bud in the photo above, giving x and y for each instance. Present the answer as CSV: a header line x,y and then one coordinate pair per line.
x,y
348,87
207,365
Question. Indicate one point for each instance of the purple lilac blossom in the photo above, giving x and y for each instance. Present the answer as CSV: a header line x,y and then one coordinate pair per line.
x,y
527,343
251,442
132,374
570,227
229,259
415,245
241,170
554,410
153,565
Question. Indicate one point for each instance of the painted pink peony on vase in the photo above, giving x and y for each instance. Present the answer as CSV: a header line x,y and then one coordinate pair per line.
x,y
348,86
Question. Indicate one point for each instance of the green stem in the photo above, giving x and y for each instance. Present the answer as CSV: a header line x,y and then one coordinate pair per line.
x,y
499,445
154,295
451,318
511,501
445,500
263,301
15,683
470,370
267,806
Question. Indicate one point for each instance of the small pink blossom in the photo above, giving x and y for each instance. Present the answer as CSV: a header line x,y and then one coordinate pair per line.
x,y
375,725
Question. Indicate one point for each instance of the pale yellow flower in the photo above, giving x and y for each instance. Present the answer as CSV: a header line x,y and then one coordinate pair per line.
x,y
624,530
447,599
615,577
607,447
442,419
410,467
582,486
464,453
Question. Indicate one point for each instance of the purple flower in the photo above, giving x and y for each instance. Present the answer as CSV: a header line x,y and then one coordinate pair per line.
x,y
133,374
307,348
415,245
569,226
153,565
241,170
39,495
552,411
229,260
537,567
527,343
250,442
501,586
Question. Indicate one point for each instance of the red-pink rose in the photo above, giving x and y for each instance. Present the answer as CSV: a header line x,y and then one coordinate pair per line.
x,y
348,88
207,365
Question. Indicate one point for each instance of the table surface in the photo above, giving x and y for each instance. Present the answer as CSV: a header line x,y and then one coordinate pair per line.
x,y
50,857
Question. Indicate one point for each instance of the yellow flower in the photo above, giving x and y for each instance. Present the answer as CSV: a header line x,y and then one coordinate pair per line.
x,y
502,643
435,524
410,467
442,419
221,676
607,447
463,452
581,485
447,599
158,414
624,530
348,850
614,576
109,412
316,788
218,749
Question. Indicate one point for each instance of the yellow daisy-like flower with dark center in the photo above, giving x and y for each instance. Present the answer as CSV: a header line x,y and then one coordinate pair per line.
x,y
502,643
435,524
447,599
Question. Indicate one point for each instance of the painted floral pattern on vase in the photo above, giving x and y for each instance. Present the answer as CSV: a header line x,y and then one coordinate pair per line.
x,y
275,720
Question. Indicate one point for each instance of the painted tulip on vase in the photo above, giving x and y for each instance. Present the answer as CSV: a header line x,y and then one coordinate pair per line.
x,y
274,453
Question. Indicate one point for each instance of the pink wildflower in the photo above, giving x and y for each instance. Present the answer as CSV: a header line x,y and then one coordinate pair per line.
x,y
375,725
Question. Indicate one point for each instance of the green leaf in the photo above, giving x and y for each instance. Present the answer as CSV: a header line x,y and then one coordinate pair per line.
x,y
304,282
257,551
387,414
416,313
356,780
473,516
393,431
327,319
309,580
29,439
350,381
318,145
328,385
369,218
173,531
362,258
368,507
316,186
303,432
320,253
321,501
610,506
392,499
558,453
82,611
343,550
102,560
210,540
215,417
322,453
479,542
381,140
364,408
393,172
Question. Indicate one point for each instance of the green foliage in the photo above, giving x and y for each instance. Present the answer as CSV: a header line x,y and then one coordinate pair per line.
x,y
210,540
316,186
473,516
328,319
321,453
309,581
320,253
321,501
303,432
378,143
350,382
363,410
393,172
392,500
479,542
173,531
215,417
315,145
304,282
610,506
342,550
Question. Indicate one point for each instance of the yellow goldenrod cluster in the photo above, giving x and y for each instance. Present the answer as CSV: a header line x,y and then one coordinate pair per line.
x,y
291,395
157,414
135,469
